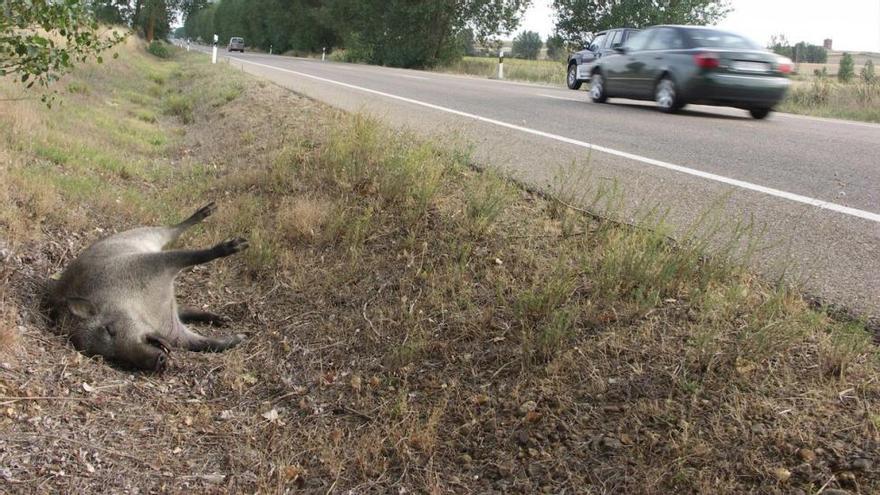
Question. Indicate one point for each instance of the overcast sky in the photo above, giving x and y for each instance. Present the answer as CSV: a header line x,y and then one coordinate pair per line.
x,y
852,24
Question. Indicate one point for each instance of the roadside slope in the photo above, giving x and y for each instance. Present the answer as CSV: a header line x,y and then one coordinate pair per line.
x,y
414,325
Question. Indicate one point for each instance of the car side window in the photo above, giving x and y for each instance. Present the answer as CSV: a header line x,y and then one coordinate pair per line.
x,y
665,39
639,40
616,38
598,43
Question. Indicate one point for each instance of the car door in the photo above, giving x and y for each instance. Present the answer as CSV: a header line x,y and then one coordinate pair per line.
x,y
624,67
595,53
653,60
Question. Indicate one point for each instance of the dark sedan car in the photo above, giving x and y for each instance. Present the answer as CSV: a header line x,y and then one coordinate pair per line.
x,y
580,64
677,65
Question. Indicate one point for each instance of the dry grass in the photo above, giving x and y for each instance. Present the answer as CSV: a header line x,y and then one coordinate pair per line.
x,y
823,97
539,71
415,326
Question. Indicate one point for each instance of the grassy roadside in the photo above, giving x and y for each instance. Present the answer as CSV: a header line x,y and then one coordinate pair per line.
x,y
822,97
414,325
538,71
814,96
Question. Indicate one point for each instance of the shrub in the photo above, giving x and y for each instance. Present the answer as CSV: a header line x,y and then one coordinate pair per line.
x,y
527,45
868,74
847,68
159,49
181,106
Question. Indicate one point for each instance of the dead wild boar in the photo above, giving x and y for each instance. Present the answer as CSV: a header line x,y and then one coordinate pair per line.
x,y
116,299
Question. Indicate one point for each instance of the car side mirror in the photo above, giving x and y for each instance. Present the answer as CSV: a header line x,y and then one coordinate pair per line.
x,y
619,48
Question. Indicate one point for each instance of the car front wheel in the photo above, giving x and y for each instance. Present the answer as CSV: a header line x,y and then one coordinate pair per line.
x,y
572,78
759,113
597,88
666,96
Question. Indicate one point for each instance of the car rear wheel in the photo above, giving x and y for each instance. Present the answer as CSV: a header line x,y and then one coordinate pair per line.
x,y
597,88
666,96
572,78
759,113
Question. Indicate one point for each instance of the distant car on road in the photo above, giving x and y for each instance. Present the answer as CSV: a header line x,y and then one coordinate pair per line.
x,y
236,44
580,64
677,65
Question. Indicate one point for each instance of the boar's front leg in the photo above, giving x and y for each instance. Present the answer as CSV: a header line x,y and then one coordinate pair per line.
x,y
190,315
199,343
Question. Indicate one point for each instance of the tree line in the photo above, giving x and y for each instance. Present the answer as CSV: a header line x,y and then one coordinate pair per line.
x,y
405,33
419,33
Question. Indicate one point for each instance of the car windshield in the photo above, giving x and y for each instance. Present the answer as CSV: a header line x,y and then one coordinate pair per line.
x,y
710,38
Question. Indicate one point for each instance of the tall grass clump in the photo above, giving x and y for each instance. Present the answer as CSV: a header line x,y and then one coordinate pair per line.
x,y
368,160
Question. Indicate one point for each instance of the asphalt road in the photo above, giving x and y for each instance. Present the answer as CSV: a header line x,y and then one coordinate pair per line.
x,y
811,186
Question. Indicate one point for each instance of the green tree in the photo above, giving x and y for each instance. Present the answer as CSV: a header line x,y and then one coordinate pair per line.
x,y
527,44
805,52
416,33
847,69
779,44
556,47
40,39
868,74
112,11
466,39
578,20
153,18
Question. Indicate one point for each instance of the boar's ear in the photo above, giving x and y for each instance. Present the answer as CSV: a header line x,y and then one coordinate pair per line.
x,y
81,308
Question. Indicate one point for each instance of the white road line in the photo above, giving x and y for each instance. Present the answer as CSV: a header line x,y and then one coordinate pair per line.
x,y
561,98
413,77
869,125
818,203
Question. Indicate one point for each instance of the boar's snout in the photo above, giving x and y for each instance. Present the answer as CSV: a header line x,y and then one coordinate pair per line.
x,y
152,354
161,363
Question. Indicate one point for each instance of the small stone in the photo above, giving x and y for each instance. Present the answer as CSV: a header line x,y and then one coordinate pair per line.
x,y
781,474
528,407
611,443
808,455
846,478
522,438
466,459
861,464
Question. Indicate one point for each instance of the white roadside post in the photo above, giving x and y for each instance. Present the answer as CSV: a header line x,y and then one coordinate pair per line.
x,y
214,54
270,49
187,44
501,64
323,53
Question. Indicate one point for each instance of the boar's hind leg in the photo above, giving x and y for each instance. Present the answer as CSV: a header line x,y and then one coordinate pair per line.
x,y
199,343
180,259
173,232
197,217
188,315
